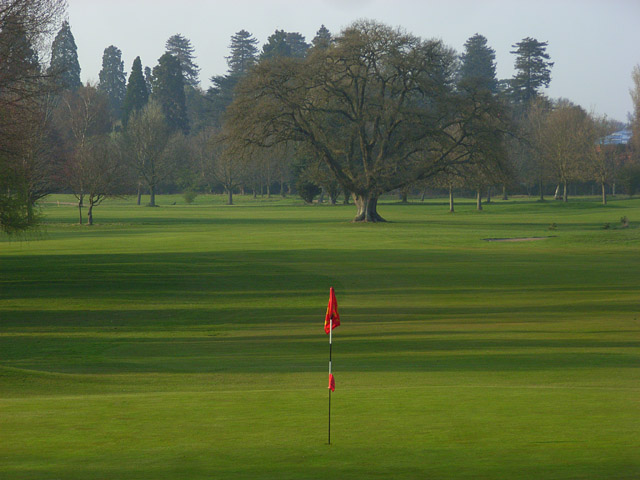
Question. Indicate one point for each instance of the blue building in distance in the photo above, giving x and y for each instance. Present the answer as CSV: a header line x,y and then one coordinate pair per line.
x,y
622,137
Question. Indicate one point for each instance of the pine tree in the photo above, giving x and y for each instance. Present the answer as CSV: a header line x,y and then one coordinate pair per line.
x,y
284,44
243,53
243,56
168,91
322,39
533,70
64,59
180,47
113,80
479,64
148,77
136,95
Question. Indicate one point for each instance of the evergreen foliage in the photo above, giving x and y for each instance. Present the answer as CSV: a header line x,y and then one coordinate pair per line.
x,y
168,91
243,56
284,44
180,47
136,95
113,80
533,69
243,53
322,39
64,59
479,64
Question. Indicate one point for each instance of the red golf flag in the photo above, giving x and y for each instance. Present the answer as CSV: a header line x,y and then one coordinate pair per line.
x,y
332,383
332,318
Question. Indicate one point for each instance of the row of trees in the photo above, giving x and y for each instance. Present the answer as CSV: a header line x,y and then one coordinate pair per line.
x,y
363,113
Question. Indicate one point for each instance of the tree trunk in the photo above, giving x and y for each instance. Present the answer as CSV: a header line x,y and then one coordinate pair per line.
x,y
80,210
556,196
367,208
152,195
565,196
613,189
488,195
451,209
604,193
479,199
230,197
504,193
346,194
139,193
404,197
541,191
90,214
321,198
424,194
283,194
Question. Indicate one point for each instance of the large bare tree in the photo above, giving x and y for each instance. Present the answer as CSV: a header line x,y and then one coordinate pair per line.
x,y
379,107
25,26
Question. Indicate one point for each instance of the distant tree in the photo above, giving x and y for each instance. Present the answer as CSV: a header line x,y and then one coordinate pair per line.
x,y
601,158
146,142
243,53
567,137
148,78
242,58
284,44
113,82
297,44
180,47
322,39
168,91
479,63
136,95
82,115
64,59
530,150
533,70
96,172
379,107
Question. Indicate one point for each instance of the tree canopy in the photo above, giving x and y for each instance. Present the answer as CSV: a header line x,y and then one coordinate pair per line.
x,y
136,95
533,69
180,47
168,91
113,82
379,107
64,59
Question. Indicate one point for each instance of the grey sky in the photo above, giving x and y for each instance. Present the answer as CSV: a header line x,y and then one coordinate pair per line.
x,y
594,43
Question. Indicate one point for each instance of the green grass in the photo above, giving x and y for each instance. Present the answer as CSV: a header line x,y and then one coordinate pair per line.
x,y
186,342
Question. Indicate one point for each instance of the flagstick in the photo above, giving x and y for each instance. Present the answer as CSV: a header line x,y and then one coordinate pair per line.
x,y
330,348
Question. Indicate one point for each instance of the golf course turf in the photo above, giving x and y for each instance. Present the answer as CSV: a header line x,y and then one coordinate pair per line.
x,y
187,341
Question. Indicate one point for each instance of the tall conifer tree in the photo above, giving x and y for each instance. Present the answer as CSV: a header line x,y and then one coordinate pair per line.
x,y
136,95
64,59
243,56
168,91
479,64
180,47
322,38
533,69
113,80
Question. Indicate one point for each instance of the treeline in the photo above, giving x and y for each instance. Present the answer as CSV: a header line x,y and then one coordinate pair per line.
x,y
366,112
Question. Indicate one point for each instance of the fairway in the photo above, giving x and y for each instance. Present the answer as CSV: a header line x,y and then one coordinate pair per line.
x,y
187,342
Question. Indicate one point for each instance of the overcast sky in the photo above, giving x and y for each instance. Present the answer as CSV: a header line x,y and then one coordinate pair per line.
x,y
594,43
